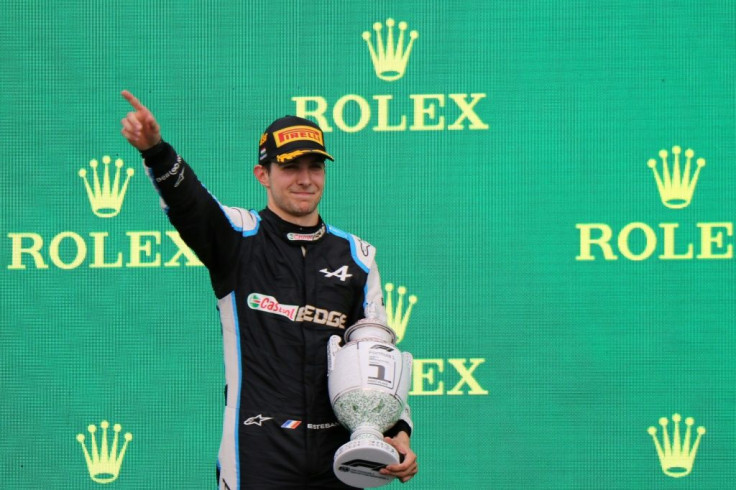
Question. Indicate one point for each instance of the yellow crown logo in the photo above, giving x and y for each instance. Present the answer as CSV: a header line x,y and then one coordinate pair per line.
x,y
104,463
676,187
676,456
390,59
396,316
106,199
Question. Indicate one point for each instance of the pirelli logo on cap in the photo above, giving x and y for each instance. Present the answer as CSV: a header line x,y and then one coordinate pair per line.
x,y
297,133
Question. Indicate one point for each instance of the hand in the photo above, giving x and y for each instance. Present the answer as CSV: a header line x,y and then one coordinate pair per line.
x,y
139,126
407,468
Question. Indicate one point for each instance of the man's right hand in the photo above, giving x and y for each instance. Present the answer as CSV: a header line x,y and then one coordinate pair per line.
x,y
139,126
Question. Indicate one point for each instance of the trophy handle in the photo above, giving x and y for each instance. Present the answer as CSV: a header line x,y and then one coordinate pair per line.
x,y
403,388
332,347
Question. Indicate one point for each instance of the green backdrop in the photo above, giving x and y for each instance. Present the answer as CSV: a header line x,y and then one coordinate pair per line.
x,y
563,306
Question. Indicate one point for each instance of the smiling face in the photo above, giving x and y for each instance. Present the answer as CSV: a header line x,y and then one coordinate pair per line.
x,y
294,189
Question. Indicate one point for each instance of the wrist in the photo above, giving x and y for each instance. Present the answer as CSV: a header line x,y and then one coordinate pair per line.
x,y
153,150
400,426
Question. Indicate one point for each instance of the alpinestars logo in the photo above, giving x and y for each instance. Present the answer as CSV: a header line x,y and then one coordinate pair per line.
x,y
389,56
676,183
256,420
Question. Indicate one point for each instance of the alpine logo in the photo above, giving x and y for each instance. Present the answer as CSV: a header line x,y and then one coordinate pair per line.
x,y
341,273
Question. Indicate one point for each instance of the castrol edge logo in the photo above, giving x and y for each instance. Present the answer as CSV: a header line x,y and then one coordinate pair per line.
x,y
297,133
296,313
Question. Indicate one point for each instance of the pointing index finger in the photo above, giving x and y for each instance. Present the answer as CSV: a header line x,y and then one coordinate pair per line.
x,y
133,101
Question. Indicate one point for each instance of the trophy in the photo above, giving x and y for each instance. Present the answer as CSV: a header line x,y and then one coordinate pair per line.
x,y
368,385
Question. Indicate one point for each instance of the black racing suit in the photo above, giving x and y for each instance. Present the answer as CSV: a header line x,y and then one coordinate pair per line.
x,y
282,291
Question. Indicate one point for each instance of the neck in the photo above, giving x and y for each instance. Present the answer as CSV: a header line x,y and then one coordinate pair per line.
x,y
311,219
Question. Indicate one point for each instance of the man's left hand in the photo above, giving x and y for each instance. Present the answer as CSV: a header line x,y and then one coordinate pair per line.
x,y
407,468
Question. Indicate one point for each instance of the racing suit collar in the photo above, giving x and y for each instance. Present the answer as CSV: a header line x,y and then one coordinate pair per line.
x,y
295,234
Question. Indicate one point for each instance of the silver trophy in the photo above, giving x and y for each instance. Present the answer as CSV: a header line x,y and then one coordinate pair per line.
x,y
368,384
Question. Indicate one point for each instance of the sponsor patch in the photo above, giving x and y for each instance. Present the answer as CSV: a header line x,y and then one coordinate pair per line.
x,y
297,133
341,273
329,425
262,302
307,313
307,237
257,420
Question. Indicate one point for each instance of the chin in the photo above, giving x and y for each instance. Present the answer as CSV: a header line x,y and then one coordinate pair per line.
x,y
302,211
305,209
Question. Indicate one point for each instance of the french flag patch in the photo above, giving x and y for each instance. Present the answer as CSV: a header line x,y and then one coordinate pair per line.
x,y
291,424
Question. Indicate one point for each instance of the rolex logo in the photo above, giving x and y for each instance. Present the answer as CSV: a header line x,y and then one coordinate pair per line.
x,y
397,317
676,184
104,462
106,199
676,456
390,57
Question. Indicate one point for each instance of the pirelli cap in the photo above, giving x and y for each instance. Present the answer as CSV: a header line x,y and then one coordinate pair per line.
x,y
290,137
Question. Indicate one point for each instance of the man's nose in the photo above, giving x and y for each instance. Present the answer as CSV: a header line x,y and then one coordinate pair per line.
x,y
303,176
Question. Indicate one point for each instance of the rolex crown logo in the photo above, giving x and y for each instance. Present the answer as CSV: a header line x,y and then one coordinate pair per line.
x,y
106,199
676,185
676,456
104,462
389,57
397,318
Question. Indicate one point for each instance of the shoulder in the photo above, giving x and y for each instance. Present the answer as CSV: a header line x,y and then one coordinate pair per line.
x,y
363,253
243,220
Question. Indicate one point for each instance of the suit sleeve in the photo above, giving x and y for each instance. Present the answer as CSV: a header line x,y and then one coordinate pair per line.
x,y
211,230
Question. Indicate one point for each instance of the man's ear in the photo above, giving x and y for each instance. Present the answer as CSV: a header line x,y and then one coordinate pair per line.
x,y
261,174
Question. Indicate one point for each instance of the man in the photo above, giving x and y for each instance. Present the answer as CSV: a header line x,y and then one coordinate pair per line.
x,y
285,282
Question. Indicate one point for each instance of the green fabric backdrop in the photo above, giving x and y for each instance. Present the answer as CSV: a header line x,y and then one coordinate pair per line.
x,y
562,308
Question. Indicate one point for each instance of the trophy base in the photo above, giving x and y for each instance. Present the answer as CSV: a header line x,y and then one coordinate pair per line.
x,y
357,463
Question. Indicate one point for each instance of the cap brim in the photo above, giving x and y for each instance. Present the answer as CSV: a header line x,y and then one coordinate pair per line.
x,y
288,157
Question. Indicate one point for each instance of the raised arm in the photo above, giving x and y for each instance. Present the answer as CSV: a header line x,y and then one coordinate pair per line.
x,y
213,231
